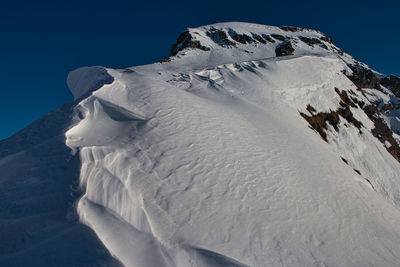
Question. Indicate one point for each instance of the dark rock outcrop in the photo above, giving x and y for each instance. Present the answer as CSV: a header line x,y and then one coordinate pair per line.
x,y
327,39
363,77
290,29
382,131
345,111
259,38
318,121
312,41
393,83
185,40
284,49
268,38
241,38
220,37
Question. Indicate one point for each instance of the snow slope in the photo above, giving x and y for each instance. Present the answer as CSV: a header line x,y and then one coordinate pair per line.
x,y
38,191
205,160
250,145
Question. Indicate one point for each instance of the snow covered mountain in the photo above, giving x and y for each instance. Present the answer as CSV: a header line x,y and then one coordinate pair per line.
x,y
249,145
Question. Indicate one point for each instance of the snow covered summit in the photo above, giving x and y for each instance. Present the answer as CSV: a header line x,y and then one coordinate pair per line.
x,y
250,145
224,42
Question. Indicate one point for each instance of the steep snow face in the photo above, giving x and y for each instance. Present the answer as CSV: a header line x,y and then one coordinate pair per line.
x,y
207,160
86,79
38,188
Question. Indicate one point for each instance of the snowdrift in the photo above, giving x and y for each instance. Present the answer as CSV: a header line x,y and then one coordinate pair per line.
x,y
249,145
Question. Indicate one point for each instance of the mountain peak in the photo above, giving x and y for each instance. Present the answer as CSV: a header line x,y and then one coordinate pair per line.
x,y
249,41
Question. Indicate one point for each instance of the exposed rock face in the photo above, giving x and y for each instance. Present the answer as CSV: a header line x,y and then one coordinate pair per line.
x,y
268,38
312,41
290,28
284,49
363,78
259,38
185,40
286,38
347,102
393,83
327,39
220,37
241,38
319,121
382,130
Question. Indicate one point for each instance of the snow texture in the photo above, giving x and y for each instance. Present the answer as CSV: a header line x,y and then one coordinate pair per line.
x,y
205,160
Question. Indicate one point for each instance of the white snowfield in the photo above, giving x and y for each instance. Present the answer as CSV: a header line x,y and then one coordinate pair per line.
x,y
206,161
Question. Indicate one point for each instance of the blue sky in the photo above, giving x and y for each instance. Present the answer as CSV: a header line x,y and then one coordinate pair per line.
x,y
40,44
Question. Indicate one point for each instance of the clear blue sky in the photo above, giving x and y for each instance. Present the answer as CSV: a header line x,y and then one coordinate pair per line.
x,y
40,44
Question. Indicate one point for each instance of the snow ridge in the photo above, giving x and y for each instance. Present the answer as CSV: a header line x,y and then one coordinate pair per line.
x,y
206,160
250,145
86,79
